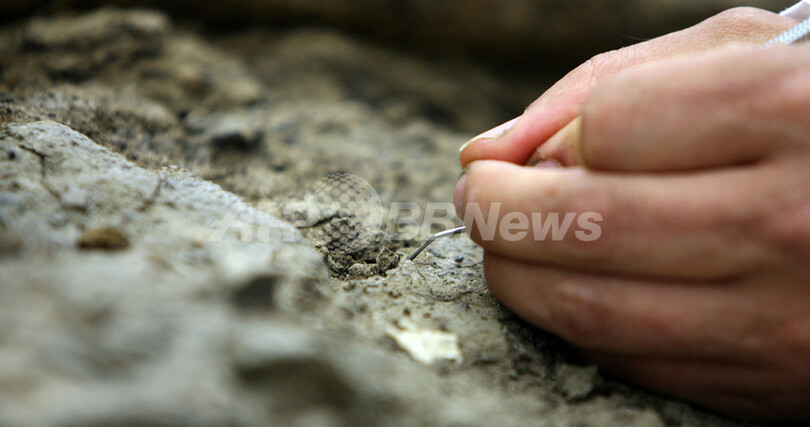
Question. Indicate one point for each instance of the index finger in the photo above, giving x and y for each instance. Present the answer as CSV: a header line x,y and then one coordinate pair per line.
x,y
563,102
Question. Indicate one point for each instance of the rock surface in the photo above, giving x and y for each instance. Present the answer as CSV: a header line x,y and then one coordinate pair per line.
x,y
145,275
128,307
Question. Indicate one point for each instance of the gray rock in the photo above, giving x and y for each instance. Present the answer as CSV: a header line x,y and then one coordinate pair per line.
x,y
142,335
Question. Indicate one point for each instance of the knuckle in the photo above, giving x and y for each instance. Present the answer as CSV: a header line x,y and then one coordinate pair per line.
x,y
582,79
588,74
740,17
742,22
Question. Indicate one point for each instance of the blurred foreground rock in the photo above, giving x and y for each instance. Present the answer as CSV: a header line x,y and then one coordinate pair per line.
x,y
139,323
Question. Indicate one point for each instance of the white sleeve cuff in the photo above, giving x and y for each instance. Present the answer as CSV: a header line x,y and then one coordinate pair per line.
x,y
799,12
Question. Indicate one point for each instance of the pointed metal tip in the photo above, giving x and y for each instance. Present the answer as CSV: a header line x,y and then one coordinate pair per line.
x,y
430,240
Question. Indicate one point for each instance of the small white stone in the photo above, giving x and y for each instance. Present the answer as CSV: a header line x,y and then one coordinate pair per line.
x,y
75,198
425,345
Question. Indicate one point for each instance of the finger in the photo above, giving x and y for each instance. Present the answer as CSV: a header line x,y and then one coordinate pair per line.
x,y
692,113
563,101
563,147
633,316
679,226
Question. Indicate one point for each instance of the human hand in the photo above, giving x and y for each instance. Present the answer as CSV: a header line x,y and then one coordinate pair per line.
x,y
699,283
563,102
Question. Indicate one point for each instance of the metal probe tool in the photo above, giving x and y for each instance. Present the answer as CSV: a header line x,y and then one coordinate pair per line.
x,y
798,33
430,240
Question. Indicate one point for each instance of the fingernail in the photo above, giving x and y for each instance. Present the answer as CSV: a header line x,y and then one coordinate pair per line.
x,y
458,192
546,164
491,134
